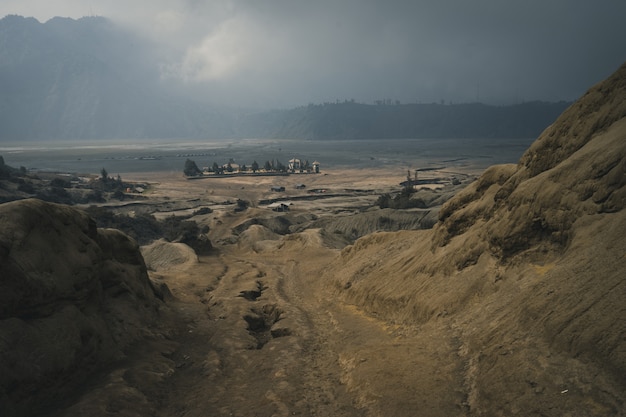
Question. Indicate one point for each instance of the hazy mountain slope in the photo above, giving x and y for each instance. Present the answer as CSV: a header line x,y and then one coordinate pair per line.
x,y
350,120
91,79
73,298
525,268
87,78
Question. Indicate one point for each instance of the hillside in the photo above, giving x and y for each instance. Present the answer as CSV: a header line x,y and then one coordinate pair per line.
x,y
88,79
349,120
524,270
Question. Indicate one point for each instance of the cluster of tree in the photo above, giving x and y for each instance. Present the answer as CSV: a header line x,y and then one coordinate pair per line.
x,y
62,189
145,228
401,200
106,184
191,169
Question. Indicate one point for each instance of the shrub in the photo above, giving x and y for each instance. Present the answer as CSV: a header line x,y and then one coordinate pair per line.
x,y
26,187
242,205
402,200
61,183
203,210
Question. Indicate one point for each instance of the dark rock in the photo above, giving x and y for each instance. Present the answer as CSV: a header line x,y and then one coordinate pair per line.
x,y
72,299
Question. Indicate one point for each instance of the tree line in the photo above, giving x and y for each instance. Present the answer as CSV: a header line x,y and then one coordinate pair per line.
x,y
191,169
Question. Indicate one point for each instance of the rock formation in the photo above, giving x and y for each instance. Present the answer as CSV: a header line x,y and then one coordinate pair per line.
x,y
72,299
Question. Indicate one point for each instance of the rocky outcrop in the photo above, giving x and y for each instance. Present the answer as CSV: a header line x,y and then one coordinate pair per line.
x,y
72,298
576,167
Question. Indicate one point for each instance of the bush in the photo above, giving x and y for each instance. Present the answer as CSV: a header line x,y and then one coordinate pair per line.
x,y
55,195
242,205
61,183
119,195
26,187
144,228
175,228
402,200
203,210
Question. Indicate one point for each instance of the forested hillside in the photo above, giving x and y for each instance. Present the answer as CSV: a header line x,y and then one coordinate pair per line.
x,y
349,120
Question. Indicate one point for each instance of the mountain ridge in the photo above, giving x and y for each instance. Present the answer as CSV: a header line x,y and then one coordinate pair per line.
x,y
91,79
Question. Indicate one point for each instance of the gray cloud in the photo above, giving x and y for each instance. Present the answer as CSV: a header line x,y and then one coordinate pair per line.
x,y
291,52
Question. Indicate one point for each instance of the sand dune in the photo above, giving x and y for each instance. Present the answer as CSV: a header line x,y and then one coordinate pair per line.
x,y
163,255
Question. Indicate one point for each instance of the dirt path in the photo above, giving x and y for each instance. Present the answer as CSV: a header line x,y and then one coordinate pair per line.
x,y
263,337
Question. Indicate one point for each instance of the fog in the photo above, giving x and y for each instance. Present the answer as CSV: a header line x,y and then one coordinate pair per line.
x,y
282,53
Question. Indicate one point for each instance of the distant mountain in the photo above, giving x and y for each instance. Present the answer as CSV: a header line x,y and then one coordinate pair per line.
x,y
91,79
86,78
349,120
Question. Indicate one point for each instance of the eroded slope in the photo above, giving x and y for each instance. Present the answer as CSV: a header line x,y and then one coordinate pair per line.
x,y
73,298
526,266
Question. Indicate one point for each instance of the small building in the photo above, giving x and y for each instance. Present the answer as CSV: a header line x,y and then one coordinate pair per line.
x,y
295,165
279,206
231,167
316,167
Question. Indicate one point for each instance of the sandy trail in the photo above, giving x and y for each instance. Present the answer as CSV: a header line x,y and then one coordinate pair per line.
x,y
248,350
263,337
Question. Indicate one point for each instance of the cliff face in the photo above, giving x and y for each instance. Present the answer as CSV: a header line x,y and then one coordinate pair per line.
x,y
72,298
525,269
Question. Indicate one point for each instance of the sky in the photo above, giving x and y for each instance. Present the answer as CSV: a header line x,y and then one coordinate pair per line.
x,y
281,53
